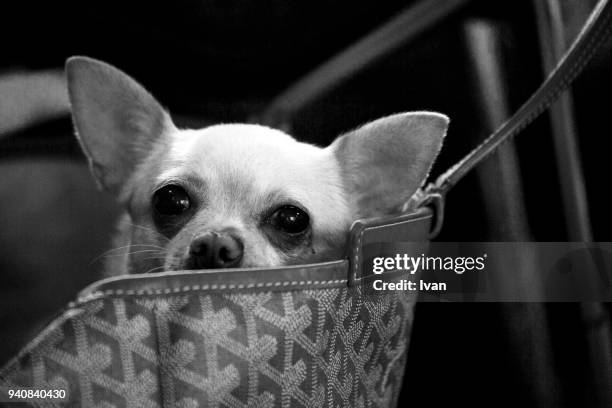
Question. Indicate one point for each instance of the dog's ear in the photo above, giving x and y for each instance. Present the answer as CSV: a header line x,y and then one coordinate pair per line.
x,y
384,162
118,123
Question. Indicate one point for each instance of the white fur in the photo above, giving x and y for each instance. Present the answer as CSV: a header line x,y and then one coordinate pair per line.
x,y
237,175
266,158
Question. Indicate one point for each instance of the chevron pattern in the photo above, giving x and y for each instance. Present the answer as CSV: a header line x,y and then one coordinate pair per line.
x,y
303,348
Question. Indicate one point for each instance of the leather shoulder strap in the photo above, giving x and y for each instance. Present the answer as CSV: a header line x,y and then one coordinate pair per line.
x,y
592,36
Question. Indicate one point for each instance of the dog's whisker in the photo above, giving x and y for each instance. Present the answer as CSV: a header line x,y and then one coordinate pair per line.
x,y
154,269
148,246
109,253
131,246
159,258
157,234
144,251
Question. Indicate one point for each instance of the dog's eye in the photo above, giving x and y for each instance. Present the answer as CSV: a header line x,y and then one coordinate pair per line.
x,y
290,219
171,200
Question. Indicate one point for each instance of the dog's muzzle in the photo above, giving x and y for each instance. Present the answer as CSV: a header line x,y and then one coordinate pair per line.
x,y
213,250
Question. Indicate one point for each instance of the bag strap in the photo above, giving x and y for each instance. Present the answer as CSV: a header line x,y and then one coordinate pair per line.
x,y
592,36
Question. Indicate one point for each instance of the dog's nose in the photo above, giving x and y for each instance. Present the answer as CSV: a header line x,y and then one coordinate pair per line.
x,y
215,250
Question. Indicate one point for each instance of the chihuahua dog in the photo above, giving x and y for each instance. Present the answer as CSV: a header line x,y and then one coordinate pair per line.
x,y
237,195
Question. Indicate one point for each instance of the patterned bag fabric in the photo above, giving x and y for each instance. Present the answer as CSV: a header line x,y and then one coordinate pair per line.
x,y
309,336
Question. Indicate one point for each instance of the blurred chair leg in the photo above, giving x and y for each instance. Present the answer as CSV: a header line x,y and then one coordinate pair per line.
x,y
553,41
500,181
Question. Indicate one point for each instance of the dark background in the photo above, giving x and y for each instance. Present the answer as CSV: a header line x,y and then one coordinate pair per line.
x,y
219,60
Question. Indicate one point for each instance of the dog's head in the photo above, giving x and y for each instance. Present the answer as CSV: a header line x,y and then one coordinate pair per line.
x,y
239,195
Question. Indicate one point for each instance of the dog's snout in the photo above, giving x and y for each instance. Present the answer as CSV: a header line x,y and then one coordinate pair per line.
x,y
215,250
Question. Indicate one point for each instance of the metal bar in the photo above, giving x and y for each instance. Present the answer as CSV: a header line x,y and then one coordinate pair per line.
x,y
500,181
499,177
552,33
402,28
573,190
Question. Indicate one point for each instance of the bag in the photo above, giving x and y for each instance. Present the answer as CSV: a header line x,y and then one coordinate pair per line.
x,y
308,335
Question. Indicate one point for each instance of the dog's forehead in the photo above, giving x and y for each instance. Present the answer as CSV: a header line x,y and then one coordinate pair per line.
x,y
242,149
259,157
227,142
